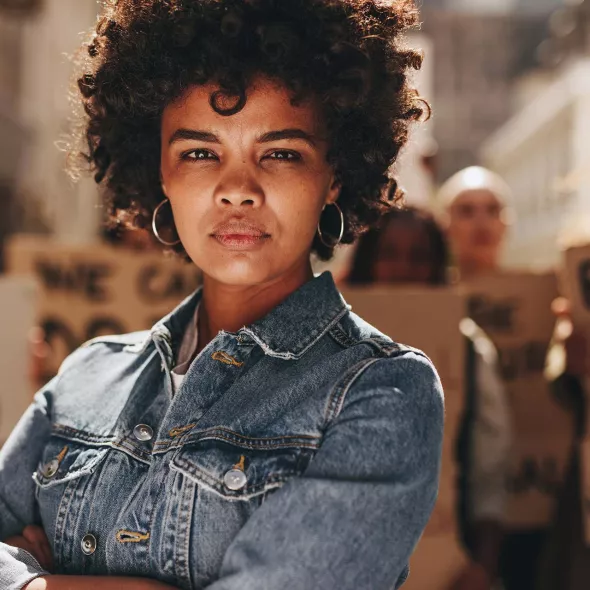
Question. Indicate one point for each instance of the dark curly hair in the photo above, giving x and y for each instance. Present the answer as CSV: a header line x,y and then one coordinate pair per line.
x,y
145,54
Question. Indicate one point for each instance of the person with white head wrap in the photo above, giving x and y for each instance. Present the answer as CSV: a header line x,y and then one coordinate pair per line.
x,y
475,208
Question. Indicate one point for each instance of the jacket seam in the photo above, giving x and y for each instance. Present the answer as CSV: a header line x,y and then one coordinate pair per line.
x,y
340,391
338,333
336,399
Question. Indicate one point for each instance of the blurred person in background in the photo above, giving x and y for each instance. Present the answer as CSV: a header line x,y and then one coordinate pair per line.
x,y
409,248
475,214
475,205
261,435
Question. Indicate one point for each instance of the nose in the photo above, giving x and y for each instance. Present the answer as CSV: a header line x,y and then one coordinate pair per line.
x,y
239,187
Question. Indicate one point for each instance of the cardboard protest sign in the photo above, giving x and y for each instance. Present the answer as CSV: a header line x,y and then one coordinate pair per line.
x,y
93,290
515,311
429,319
576,286
17,316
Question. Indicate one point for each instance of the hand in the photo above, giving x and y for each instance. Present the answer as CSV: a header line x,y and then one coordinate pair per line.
x,y
574,340
473,577
34,540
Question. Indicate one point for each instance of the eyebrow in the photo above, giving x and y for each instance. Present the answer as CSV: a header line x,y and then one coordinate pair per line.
x,y
207,137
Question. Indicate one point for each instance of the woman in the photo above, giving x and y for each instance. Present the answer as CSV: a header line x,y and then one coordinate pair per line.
x,y
261,436
410,248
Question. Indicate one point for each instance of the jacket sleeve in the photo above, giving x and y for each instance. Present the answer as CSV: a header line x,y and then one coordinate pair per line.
x,y
354,517
18,460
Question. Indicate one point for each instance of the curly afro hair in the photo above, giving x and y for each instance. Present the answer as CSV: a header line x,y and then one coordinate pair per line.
x,y
144,54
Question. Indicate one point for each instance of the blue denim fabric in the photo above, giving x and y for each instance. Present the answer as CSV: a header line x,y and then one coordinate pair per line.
x,y
334,431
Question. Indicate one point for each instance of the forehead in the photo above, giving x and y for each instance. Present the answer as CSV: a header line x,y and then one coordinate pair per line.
x,y
268,107
406,230
474,198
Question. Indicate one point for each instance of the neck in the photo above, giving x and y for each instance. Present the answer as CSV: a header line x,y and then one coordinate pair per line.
x,y
470,269
231,307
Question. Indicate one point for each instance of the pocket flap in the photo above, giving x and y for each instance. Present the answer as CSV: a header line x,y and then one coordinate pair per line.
x,y
63,461
237,473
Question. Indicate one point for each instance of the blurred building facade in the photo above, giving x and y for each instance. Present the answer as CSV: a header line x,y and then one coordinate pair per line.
x,y
495,6
476,57
48,42
12,134
544,155
36,39
543,150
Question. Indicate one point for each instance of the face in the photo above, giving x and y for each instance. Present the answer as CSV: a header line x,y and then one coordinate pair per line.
x,y
246,190
405,254
476,228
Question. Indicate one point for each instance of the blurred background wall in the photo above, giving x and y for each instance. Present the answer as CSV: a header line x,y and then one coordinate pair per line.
x,y
36,43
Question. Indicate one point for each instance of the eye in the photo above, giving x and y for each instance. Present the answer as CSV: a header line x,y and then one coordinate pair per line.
x,y
494,210
466,211
284,155
200,154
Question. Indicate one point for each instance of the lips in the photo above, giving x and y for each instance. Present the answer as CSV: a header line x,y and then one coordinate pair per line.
x,y
239,227
240,234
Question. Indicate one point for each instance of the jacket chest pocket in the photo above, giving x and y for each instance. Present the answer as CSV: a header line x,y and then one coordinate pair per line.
x,y
235,473
221,486
65,465
64,461
63,490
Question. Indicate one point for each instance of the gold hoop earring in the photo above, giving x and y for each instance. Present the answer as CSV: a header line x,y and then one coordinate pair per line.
x,y
321,235
155,226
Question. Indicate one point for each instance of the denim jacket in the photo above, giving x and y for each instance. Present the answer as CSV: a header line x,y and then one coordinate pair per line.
x,y
301,452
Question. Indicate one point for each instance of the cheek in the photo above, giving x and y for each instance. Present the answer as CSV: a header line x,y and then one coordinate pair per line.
x,y
384,271
189,213
460,230
189,196
296,211
298,224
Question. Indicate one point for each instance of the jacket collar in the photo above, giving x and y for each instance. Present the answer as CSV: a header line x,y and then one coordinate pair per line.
x,y
287,331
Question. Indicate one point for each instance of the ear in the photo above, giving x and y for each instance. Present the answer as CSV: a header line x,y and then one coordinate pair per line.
x,y
162,184
333,192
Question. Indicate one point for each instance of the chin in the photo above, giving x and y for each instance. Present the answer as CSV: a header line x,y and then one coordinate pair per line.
x,y
238,272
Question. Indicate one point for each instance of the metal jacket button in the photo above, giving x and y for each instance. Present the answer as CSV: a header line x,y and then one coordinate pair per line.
x,y
143,432
50,468
235,479
89,544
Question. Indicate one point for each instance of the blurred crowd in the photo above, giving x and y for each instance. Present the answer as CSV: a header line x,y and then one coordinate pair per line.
x,y
461,241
